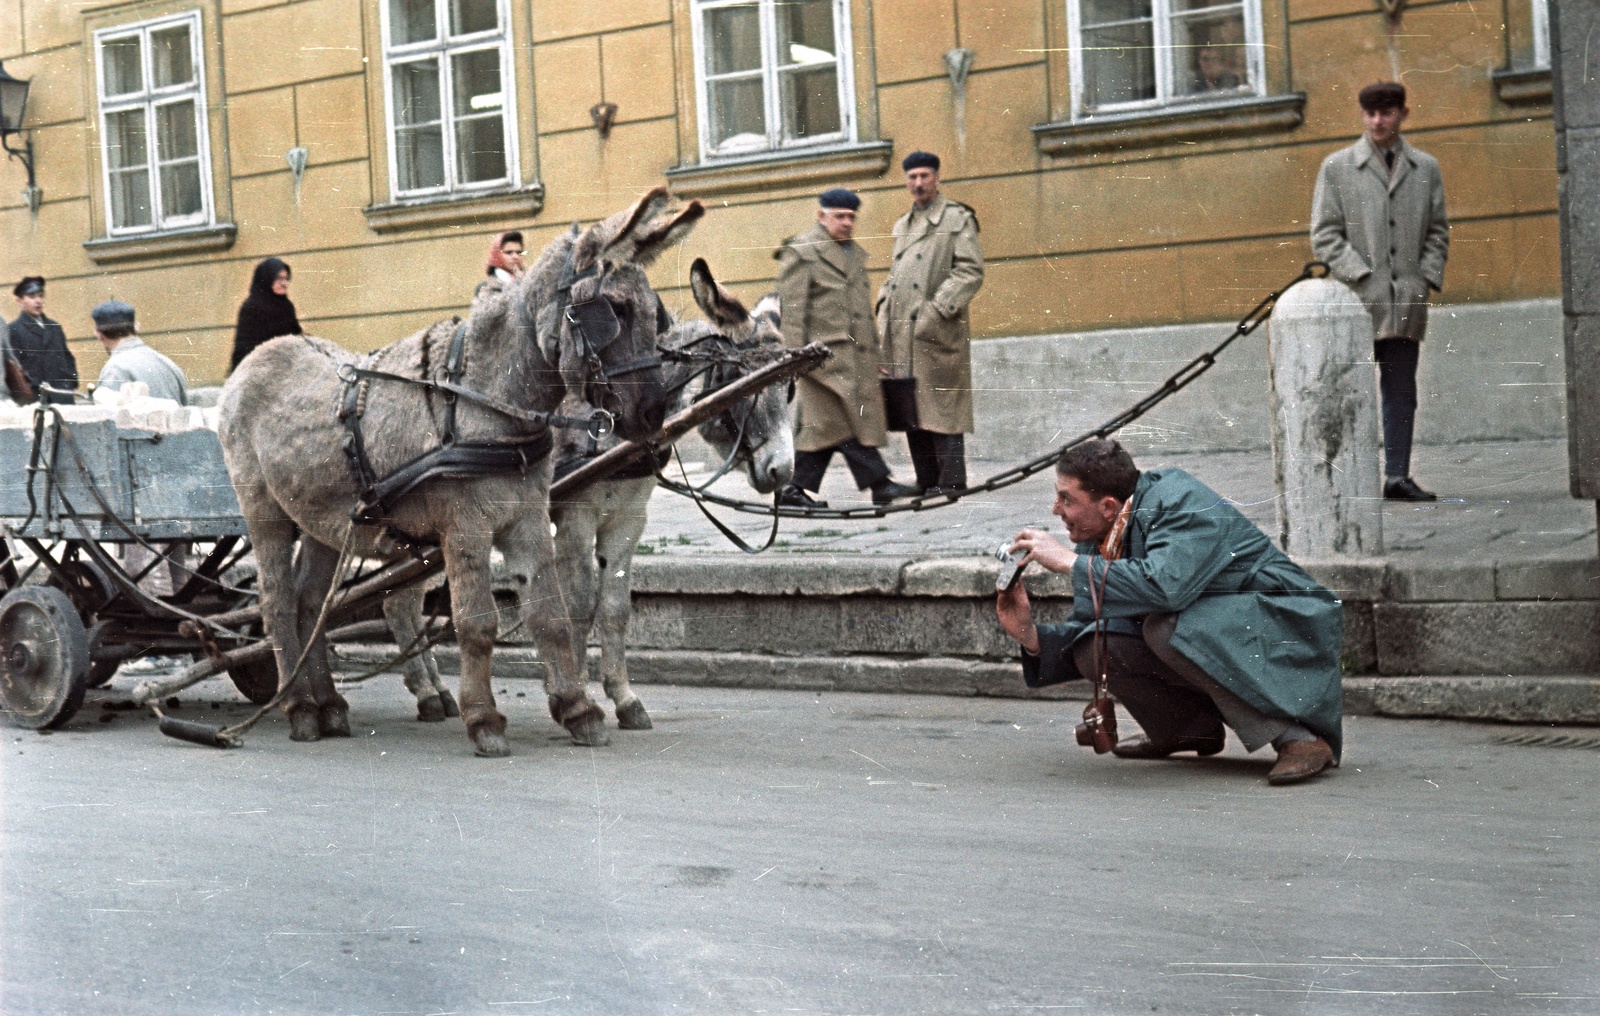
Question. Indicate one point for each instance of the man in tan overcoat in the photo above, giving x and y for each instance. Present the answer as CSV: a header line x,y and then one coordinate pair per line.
x,y
824,297
1378,220
922,316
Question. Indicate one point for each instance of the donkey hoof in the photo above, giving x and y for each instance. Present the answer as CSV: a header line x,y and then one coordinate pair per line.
x,y
488,744
303,725
588,727
334,720
431,709
632,716
449,700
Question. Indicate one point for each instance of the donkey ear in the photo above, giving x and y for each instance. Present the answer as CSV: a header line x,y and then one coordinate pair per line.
x,y
718,304
614,237
664,232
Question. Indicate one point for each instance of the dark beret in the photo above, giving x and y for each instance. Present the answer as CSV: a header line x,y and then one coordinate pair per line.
x,y
112,313
1382,95
839,197
920,160
29,284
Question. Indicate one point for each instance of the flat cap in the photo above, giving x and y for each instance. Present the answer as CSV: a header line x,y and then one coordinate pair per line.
x,y
920,160
839,197
29,285
112,313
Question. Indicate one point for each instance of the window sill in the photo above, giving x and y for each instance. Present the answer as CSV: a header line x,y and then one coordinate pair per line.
x,y
491,208
1526,87
789,168
106,250
1172,124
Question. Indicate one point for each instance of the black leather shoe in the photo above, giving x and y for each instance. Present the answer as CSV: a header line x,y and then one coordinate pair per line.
x,y
1406,489
796,497
1141,746
889,490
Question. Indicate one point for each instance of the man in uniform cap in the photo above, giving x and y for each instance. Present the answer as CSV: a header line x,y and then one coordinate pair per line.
x,y
38,344
922,316
131,359
825,297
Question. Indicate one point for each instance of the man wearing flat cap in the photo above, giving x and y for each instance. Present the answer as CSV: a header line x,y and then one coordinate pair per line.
x,y
922,316
131,359
38,344
825,297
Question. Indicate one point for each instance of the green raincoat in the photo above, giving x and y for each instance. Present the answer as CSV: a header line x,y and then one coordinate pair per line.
x,y
1247,615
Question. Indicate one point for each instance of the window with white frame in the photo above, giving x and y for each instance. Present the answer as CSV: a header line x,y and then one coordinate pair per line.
x,y
1541,33
1134,54
154,143
772,74
447,70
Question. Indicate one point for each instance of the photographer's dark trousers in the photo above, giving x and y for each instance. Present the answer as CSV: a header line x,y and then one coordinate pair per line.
x,y
866,465
1171,698
1397,381
939,459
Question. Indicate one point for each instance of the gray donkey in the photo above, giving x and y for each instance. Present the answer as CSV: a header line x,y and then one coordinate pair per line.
x,y
286,451
598,527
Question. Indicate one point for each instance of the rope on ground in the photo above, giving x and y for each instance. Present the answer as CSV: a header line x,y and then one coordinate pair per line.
x,y
1171,386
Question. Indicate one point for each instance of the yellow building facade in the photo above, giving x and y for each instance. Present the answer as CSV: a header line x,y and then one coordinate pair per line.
x,y
1133,162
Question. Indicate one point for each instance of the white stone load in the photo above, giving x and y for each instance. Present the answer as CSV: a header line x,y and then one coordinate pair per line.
x,y
130,407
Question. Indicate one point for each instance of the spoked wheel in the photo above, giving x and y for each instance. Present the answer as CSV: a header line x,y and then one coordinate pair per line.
x,y
44,657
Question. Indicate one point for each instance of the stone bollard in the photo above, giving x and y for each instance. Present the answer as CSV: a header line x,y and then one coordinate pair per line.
x,y
1325,445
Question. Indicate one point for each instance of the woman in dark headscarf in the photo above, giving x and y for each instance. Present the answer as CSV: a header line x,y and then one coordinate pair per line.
x,y
266,313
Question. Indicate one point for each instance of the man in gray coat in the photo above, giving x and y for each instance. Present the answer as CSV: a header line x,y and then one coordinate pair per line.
x,y
131,359
1378,220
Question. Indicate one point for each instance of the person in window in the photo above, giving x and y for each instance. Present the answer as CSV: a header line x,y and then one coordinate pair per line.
x,y
922,316
1378,220
266,313
38,344
1212,72
132,360
505,257
824,296
1207,625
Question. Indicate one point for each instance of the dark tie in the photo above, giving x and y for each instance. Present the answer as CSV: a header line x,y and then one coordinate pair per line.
x,y
1388,158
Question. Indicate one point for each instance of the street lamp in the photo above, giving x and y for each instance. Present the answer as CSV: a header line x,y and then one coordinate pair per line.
x,y
13,105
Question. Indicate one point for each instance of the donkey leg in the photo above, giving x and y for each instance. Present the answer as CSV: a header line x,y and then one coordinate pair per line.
x,y
273,536
531,567
576,525
315,574
619,534
466,561
403,610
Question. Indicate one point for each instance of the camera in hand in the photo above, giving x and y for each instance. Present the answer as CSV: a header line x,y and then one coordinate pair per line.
x,y
1099,727
1011,566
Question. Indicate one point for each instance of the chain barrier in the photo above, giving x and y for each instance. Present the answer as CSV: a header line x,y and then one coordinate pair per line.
x,y
1178,381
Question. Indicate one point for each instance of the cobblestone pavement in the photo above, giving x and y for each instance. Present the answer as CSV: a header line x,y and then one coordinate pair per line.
x,y
1497,501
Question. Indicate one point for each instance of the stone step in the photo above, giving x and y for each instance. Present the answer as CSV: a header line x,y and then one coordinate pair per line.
x,y
1570,698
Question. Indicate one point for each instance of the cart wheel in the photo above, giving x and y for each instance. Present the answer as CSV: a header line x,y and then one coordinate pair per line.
x,y
44,657
257,681
101,672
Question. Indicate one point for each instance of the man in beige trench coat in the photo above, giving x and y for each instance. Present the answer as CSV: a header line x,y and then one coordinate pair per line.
x,y
1378,220
922,316
824,297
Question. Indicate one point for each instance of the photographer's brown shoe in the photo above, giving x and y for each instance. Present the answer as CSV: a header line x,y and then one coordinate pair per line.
x,y
1140,746
1301,760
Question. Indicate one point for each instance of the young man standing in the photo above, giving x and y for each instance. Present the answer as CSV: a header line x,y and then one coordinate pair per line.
x,y
38,344
825,297
1378,220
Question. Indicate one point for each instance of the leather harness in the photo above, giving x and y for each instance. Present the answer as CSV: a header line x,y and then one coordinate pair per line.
x,y
458,459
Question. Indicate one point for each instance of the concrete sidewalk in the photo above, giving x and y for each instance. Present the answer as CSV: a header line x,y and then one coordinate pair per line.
x,y
1498,501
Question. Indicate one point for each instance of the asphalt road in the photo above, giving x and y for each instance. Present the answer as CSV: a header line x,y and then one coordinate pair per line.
x,y
766,852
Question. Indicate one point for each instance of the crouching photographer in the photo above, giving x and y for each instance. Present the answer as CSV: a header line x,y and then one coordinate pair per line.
x,y
1186,613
